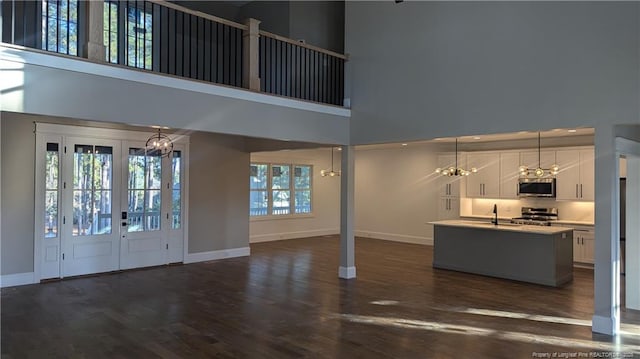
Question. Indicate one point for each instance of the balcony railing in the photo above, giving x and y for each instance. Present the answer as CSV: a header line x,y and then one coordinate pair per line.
x,y
160,36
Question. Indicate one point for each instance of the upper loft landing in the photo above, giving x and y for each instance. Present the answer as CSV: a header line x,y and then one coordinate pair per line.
x,y
157,63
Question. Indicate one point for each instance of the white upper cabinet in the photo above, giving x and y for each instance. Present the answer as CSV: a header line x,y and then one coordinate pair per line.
x,y
509,174
576,178
486,182
450,186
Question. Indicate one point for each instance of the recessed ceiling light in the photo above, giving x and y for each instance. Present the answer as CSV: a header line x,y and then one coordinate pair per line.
x,y
404,144
572,131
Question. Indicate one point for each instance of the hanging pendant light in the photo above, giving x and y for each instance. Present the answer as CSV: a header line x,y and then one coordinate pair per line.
x,y
539,171
455,171
159,143
330,173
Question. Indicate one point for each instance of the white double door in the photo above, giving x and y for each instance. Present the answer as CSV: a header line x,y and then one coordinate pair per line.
x,y
120,207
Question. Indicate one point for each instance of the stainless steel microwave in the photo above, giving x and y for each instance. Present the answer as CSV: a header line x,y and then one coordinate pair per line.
x,y
537,187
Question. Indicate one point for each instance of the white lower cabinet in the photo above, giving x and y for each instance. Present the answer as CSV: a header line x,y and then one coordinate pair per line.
x,y
583,245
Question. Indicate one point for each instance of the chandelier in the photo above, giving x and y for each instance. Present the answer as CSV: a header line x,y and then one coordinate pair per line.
x,y
160,144
539,172
330,173
455,171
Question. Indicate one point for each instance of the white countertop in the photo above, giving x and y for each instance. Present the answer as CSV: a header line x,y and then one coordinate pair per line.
x,y
561,222
502,226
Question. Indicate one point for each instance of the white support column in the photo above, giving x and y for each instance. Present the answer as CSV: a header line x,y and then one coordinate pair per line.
x,y
632,273
251,55
347,268
606,318
94,49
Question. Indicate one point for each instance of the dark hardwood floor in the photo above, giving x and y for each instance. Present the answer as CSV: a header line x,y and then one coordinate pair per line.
x,y
286,301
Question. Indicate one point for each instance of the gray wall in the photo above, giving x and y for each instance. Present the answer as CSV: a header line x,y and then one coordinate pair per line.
x,y
218,190
319,23
218,193
221,9
18,154
430,69
274,15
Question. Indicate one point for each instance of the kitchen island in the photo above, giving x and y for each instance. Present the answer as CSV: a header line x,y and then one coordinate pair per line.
x,y
535,254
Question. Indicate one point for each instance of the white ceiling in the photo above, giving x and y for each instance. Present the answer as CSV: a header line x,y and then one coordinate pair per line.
x,y
523,139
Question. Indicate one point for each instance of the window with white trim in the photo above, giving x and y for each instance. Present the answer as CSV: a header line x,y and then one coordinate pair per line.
x,y
280,189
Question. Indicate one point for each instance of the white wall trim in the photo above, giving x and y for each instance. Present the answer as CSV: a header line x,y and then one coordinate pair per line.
x,y
20,54
215,255
292,235
395,237
12,280
103,133
347,272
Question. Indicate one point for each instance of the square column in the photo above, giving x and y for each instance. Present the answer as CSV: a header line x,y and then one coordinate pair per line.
x,y
632,274
606,317
347,268
94,48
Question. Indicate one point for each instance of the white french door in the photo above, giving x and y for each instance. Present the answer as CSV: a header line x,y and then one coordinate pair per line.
x,y
89,206
151,215
106,204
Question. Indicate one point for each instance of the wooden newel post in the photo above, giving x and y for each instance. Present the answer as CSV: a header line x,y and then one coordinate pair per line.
x,y
250,55
94,47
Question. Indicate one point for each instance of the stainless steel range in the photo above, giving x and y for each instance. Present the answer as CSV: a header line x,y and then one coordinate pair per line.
x,y
536,216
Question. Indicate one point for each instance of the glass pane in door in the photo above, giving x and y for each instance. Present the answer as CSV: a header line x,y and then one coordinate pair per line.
x,y
52,167
92,187
176,166
144,194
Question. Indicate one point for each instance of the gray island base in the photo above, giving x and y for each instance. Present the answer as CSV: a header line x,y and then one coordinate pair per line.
x,y
541,255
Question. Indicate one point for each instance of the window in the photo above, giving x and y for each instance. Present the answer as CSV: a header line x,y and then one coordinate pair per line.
x,y
279,189
302,181
176,170
258,197
110,18
139,39
60,26
133,44
52,190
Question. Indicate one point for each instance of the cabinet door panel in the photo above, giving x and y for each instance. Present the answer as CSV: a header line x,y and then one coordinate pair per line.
x,y
509,173
486,182
587,175
568,179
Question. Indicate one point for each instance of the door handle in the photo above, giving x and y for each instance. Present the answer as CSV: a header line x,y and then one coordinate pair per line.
x,y
577,190
580,190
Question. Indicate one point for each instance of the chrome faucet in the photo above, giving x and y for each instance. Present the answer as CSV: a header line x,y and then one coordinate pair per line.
x,y
495,215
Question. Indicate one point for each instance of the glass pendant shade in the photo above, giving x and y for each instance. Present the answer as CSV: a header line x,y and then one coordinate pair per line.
x,y
455,170
331,172
160,144
539,171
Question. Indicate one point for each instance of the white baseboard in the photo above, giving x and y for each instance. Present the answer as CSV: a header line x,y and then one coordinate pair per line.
x,y
292,235
395,237
347,272
215,255
12,280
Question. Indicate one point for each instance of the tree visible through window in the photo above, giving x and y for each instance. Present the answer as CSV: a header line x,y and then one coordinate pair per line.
x,y
280,189
133,44
60,26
